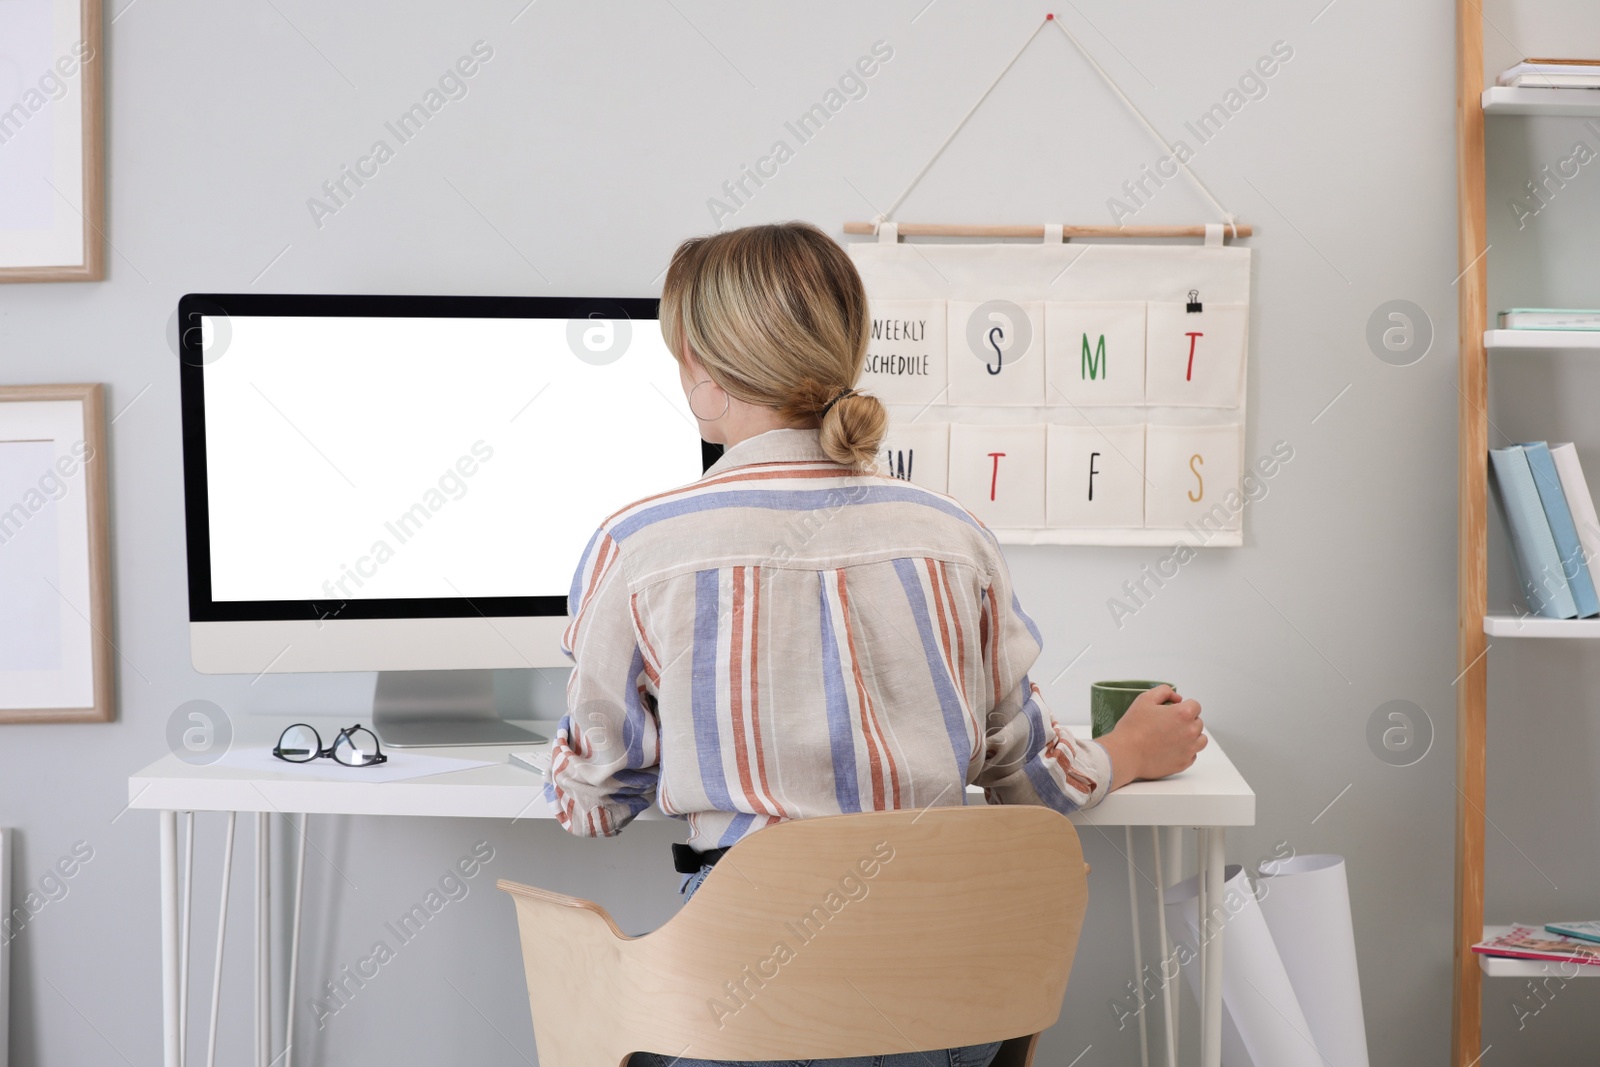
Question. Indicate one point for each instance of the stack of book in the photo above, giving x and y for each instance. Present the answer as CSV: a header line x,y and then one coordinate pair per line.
x,y
1549,319
1557,942
1555,533
1553,74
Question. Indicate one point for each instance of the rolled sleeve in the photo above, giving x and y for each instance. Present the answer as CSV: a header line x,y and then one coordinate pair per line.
x,y
1029,758
605,759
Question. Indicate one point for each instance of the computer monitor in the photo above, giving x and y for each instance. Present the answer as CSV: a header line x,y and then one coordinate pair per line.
x,y
406,484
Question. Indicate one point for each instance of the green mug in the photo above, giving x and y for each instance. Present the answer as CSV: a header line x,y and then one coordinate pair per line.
x,y
1108,702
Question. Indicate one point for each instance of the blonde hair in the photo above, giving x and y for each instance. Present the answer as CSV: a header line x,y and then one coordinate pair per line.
x,y
777,316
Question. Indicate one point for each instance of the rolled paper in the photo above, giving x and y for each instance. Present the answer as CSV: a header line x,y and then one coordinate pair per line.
x,y
1263,1024
1306,902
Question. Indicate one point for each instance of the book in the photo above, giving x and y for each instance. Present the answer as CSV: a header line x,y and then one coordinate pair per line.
x,y
1533,546
1537,80
1531,943
1574,562
1576,489
1549,319
1583,931
1552,74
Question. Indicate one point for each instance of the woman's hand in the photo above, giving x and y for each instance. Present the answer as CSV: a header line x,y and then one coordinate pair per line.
x,y
1160,734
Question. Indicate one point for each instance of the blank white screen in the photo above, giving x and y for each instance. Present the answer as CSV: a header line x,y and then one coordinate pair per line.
x,y
504,449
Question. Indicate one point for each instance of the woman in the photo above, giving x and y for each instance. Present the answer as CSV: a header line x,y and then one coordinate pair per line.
x,y
795,635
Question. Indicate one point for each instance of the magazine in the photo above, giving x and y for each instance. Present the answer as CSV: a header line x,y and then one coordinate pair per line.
x,y
1586,931
1531,943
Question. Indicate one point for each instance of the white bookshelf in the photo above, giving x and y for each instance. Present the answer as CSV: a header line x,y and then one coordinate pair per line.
x,y
1504,100
1537,626
1502,967
1504,339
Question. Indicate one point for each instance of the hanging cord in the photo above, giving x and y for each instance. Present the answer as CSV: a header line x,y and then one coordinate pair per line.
x,y
1229,217
970,112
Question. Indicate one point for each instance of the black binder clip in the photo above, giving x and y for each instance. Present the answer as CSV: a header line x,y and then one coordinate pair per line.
x,y
1193,307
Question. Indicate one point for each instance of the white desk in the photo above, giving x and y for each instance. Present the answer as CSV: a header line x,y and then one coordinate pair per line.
x,y
1208,798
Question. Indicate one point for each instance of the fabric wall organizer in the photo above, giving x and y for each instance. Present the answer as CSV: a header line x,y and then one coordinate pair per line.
x,y
1067,394
1072,394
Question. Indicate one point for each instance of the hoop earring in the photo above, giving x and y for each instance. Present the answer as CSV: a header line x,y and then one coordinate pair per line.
x,y
726,400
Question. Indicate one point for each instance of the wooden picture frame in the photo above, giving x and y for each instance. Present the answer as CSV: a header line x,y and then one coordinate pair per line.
x,y
52,143
55,588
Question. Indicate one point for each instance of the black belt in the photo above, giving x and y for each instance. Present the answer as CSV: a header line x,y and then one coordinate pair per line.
x,y
686,860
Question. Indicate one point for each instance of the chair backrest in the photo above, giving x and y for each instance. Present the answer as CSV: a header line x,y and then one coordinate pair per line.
x,y
849,935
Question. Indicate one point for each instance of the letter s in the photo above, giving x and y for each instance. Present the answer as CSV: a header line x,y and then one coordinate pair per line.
x,y
1284,451
83,852
884,851
484,452
483,50
1283,50
484,851
883,50
1194,497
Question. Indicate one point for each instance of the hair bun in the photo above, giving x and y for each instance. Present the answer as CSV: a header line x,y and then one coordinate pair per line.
x,y
853,426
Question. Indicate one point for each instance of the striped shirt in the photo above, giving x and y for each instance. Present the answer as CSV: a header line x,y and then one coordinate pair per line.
x,y
787,638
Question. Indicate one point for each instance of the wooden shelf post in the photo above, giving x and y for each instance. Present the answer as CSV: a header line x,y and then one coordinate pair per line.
x,y
1471,569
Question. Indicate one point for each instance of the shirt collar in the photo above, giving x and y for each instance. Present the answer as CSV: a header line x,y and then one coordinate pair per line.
x,y
774,446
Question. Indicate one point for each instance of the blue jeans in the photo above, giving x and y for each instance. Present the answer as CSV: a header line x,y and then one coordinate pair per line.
x,y
970,1056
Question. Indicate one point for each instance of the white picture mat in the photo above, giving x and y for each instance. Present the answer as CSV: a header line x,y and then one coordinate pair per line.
x,y
45,227
59,424
30,562
1062,272
321,432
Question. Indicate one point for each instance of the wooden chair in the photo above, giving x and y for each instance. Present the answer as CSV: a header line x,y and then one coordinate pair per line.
x,y
850,935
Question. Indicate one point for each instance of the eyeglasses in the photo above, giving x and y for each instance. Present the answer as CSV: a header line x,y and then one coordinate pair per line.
x,y
356,746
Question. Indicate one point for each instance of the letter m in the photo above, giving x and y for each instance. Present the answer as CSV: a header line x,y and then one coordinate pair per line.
x,y
1095,365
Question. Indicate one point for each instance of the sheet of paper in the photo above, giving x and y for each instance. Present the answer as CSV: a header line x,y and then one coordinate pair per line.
x,y
1192,477
1095,476
997,472
1094,353
906,352
1195,358
1262,1021
400,766
1306,902
996,353
918,452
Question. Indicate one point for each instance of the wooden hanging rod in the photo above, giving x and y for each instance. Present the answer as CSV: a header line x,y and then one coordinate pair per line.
x,y
942,229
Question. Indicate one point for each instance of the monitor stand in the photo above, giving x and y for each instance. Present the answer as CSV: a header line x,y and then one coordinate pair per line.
x,y
424,709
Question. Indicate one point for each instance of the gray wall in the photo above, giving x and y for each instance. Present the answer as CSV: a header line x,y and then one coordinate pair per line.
x,y
584,150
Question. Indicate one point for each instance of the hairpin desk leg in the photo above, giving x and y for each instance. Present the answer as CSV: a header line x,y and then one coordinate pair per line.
x,y
263,939
294,943
170,1037
1169,970
1138,949
1211,840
